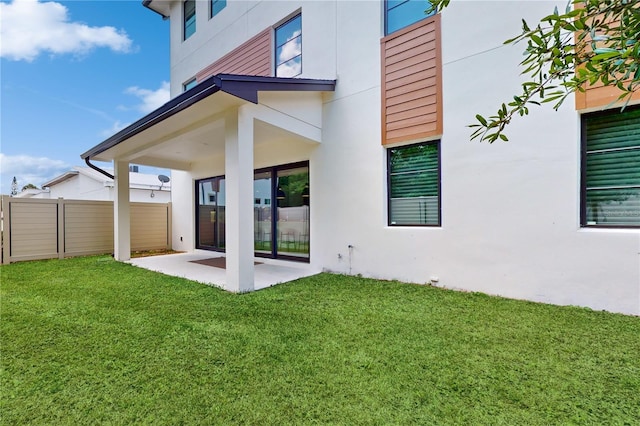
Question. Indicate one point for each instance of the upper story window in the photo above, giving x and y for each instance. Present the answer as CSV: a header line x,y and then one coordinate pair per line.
x,y
189,84
402,13
189,18
217,6
611,168
289,48
414,185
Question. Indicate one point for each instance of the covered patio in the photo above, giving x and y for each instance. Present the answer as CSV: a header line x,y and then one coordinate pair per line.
x,y
198,266
225,115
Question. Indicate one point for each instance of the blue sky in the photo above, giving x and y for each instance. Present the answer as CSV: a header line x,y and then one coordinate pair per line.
x,y
72,74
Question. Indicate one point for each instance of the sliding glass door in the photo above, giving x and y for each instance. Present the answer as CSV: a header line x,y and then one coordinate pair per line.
x,y
280,212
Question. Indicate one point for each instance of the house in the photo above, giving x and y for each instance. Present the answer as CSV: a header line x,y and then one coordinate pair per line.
x,y
84,183
335,133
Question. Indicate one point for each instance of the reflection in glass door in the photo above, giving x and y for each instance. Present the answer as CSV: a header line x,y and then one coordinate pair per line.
x,y
211,213
280,212
292,218
262,208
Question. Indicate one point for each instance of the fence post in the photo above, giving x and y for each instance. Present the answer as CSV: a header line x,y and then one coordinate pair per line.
x,y
6,230
61,250
169,229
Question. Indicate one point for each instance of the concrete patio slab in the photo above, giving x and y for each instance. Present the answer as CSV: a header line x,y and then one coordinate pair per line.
x,y
268,272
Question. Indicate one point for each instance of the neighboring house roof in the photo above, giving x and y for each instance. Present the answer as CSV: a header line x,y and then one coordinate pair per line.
x,y
241,86
136,180
30,193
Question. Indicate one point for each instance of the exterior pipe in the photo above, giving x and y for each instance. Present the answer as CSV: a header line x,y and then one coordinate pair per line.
x,y
98,169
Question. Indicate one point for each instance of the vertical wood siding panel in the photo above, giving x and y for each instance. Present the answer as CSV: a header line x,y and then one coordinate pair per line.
x,y
412,82
253,57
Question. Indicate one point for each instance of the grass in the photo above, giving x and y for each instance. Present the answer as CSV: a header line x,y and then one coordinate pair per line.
x,y
93,341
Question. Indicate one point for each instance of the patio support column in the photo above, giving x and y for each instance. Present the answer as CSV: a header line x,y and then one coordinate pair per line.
x,y
239,200
121,212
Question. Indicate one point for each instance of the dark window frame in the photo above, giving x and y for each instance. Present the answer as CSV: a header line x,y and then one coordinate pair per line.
x,y
198,244
189,84
583,166
186,18
212,11
274,206
276,61
386,17
439,172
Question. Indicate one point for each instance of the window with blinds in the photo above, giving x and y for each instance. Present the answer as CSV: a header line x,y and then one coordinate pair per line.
x,y
414,185
611,169
189,18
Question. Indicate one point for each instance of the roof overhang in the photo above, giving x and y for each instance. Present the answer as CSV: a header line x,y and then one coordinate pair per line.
x,y
161,7
195,115
65,176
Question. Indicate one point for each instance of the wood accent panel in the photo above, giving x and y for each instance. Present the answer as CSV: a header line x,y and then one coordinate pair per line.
x,y
412,83
252,57
597,96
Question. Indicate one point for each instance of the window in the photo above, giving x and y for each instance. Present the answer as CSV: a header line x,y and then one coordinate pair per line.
x,y
611,168
189,18
414,185
217,6
189,84
289,48
402,13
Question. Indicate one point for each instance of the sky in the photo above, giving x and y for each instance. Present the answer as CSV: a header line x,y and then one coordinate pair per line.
x,y
72,73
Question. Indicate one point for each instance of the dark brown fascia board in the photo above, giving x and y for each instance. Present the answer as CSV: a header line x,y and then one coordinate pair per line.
x,y
65,176
242,86
149,5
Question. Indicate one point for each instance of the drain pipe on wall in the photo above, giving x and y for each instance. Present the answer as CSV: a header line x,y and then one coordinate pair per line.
x,y
98,169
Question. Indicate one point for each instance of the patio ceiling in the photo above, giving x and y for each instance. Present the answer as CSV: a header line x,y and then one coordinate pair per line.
x,y
190,127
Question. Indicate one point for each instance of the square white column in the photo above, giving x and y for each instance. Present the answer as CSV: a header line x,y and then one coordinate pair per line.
x,y
239,200
121,212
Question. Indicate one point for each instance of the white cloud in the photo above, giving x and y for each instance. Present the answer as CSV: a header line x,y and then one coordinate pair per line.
x,y
291,49
28,169
29,28
151,99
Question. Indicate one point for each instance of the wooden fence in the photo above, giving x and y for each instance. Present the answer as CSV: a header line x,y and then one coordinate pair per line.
x,y
46,229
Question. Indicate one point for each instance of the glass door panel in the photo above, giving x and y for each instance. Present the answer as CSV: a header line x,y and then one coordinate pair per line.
x,y
211,197
292,224
262,208
220,215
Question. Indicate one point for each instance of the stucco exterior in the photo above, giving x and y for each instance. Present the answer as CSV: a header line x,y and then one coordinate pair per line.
x,y
510,211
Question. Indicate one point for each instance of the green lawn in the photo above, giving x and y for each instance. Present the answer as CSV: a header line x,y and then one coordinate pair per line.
x,y
92,341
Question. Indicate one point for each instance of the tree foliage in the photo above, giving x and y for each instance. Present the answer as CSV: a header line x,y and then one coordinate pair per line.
x,y
14,186
590,41
29,186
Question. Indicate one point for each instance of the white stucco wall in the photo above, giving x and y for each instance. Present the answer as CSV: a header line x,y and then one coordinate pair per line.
x,y
241,20
81,187
510,211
